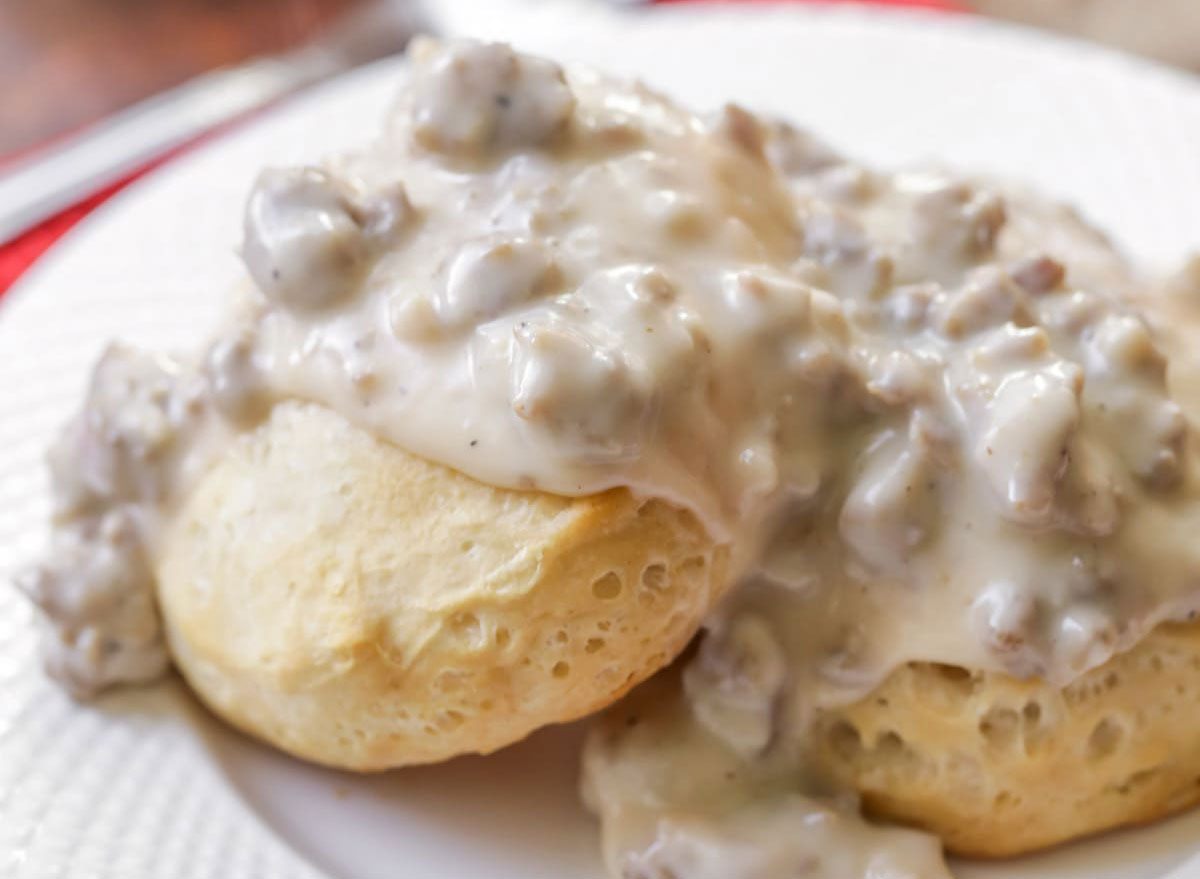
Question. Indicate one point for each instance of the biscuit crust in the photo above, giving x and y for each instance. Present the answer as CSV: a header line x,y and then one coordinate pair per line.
x,y
363,608
997,766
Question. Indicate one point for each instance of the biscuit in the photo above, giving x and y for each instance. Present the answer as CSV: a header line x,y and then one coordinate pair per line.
x,y
998,766
363,608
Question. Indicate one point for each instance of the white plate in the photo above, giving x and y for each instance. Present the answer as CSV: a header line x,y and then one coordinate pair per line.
x,y
143,785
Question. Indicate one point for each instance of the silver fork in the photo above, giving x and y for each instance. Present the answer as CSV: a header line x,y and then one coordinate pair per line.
x,y
72,169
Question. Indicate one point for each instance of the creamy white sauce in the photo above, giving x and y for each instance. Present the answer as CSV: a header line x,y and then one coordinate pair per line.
x,y
145,430
929,432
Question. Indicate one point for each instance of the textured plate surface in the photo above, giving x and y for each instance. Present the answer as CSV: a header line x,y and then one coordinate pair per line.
x,y
144,785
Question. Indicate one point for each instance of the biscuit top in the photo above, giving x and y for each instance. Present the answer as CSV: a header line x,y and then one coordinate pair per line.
x,y
926,433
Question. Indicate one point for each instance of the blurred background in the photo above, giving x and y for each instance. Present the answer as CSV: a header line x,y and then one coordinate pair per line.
x,y
93,92
66,63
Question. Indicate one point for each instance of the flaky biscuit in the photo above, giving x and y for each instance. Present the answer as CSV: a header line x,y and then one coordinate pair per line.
x,y
360,607
997,766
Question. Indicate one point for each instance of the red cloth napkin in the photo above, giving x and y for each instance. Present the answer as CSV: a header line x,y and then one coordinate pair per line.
x,y
18,255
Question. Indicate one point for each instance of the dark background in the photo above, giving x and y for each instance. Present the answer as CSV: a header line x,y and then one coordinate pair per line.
x,y
64,63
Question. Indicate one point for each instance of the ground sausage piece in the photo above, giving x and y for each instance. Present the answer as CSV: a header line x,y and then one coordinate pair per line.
x,y
308,236
474,97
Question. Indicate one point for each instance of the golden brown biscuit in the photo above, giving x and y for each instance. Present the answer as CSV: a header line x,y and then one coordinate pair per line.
x,y
998,766
363,608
